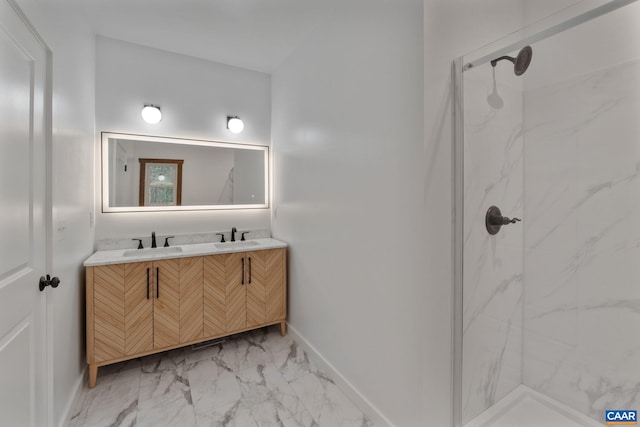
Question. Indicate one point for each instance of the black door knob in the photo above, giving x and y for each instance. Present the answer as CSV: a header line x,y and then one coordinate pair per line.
x,y
48,281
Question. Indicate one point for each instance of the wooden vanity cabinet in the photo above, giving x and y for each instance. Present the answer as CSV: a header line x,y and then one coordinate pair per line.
x,y
244,290
255,291
120,310
178,304
215,300
140,308
266,287
137,308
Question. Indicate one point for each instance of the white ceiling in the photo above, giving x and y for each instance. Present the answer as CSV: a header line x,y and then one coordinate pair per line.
x,y
253,34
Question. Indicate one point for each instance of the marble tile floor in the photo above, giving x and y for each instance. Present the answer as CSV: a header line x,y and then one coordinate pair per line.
x,y
255,379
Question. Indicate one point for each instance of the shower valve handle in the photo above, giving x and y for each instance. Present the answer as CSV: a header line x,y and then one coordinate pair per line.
x,y
503,220
494,220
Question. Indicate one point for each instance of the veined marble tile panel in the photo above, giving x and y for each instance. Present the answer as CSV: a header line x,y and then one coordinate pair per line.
x,y
492,302
550,292
581,385
582,302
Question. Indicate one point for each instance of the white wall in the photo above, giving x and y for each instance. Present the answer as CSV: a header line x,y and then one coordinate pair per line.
x,y
195,97
363,193
347,138
72,45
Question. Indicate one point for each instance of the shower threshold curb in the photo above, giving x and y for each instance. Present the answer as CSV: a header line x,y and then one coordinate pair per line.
x,y
516,406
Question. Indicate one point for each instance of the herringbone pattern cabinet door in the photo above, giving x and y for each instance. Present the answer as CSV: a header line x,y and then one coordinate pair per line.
x,y
138,311
235,292
108,306
256,287
191,299
276,285
214,295
166,319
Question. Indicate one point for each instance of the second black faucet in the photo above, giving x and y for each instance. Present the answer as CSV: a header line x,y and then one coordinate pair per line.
x,y
233,235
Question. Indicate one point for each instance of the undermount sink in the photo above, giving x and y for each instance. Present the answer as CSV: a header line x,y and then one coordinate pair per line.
x,y
153,251
240,244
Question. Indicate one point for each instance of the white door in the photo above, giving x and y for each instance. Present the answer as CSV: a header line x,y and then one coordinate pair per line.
x,y
23,240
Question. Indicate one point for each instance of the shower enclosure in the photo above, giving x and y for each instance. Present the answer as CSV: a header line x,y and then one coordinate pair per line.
x,y
547,326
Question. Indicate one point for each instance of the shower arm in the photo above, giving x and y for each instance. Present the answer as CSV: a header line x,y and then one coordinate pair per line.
x,y
509,58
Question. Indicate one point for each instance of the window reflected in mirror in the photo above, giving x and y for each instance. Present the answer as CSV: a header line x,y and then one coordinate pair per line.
x,y
160,182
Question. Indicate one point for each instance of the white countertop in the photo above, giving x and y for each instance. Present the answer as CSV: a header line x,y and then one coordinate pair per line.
x,y
119,256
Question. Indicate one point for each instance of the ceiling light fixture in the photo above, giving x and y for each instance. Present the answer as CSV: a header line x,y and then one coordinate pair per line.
x,y
234,124
151,114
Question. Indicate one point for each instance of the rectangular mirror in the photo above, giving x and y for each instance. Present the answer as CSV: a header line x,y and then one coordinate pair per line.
x,y
149,173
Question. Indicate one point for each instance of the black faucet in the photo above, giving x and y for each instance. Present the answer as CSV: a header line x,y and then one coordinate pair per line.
x,y
233,234
153,239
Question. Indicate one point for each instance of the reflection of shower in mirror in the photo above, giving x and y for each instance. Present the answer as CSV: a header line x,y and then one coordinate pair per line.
x,y
226,195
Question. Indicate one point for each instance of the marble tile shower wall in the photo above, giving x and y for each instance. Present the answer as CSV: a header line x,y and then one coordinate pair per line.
x,y
492,316
582,240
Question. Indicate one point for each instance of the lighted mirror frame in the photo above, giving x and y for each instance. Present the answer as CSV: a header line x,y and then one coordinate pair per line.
x,y
106,208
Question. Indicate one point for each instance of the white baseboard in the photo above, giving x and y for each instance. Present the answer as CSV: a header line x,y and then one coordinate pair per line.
x,y
374,414
77,388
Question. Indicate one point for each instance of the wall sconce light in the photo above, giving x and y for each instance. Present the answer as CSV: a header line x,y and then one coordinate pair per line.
x,y
151,114
234,124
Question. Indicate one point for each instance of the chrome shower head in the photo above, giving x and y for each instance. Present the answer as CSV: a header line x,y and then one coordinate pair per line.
x,y
520,62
